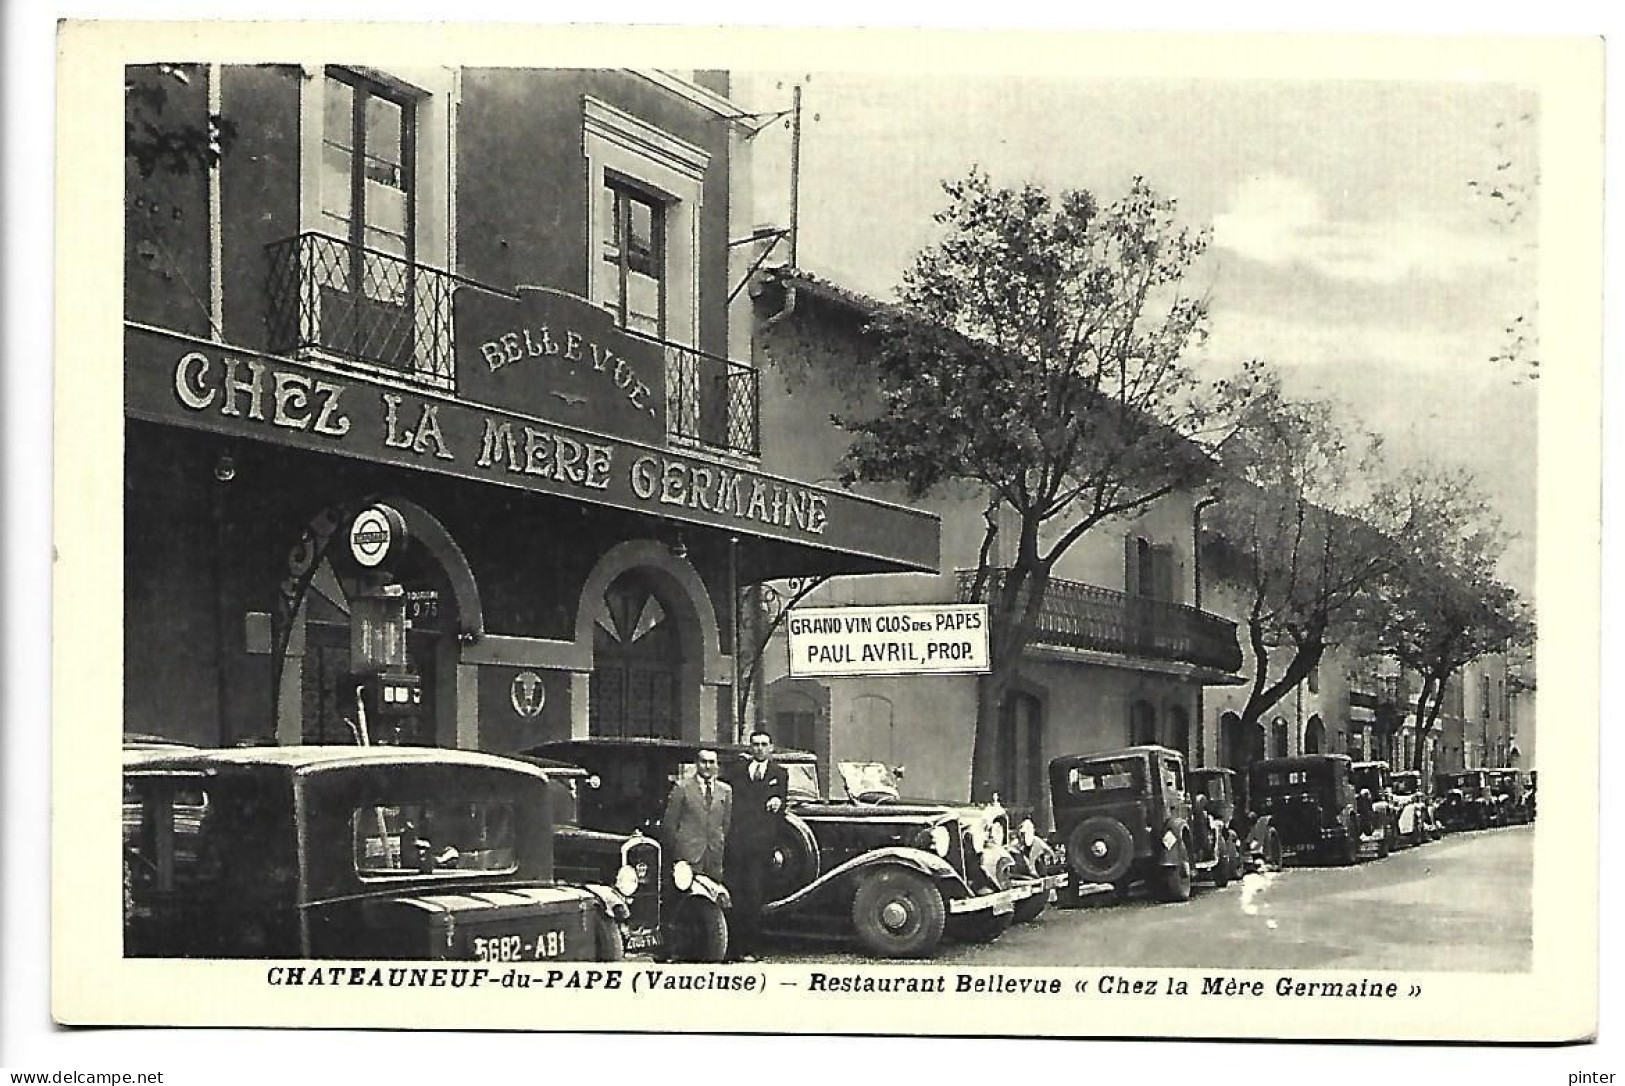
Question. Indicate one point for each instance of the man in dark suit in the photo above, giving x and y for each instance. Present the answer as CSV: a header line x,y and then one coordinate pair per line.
x,y
698,813
759,797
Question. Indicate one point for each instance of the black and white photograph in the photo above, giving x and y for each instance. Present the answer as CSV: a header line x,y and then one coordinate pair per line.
x,y
808,535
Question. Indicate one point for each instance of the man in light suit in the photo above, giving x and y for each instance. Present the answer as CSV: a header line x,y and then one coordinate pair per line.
x,y
762,789
698,813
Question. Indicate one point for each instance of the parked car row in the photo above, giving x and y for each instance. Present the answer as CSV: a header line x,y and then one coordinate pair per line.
x,y
557,853
1137,816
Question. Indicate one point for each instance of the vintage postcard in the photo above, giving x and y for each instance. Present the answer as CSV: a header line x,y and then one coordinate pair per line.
x,y
827,531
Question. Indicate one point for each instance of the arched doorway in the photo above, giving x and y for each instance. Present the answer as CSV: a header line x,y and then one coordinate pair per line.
x,y
637,661
1020,777
1242,746
657,665
1280,738
1314,736
429,576
1142,723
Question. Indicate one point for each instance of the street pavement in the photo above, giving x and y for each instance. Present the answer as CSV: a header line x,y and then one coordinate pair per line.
x,y
1460,903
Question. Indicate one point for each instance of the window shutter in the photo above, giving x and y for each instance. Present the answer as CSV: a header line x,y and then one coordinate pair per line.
x,y
1131,564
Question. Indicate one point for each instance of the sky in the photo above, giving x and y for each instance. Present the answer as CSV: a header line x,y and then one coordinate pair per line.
x,y
1348,247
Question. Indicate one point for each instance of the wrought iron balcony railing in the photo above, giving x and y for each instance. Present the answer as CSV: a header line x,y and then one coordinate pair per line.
x,y
383,312
713,401
1085,616
362,305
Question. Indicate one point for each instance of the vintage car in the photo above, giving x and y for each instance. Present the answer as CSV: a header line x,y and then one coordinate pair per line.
x,y
1413,810
1374,786
620,798
350,852
1312,802
1037,863
900,875
1509,801
1463,799
629,862
1124,816
1251,842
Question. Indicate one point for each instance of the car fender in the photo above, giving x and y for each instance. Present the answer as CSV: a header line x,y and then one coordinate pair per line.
x,y
711,890
610,898
918,860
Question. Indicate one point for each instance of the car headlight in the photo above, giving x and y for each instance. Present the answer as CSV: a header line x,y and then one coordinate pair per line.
x,y
682,875
940,841
1027,832
996,832
626,880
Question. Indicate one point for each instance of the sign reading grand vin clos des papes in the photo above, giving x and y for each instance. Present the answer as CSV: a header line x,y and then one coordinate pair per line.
x,y
901,639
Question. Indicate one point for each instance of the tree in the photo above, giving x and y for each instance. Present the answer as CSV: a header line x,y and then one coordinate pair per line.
x,y
1039,353
154,141
1444,607
1303,536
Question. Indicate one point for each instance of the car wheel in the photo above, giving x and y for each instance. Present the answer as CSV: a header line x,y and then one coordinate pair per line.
x,y
982,927
698,931
1174,881
1100,849
1221,866
606,937
1272,850
899,914
1030,909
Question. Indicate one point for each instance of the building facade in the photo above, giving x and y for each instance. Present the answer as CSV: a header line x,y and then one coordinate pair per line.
x,y
1122,652
435,420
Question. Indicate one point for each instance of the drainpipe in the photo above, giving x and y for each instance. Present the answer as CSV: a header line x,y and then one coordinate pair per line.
x,y
1196,601
736,719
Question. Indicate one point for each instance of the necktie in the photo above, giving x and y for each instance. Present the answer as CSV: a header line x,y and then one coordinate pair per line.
x,y
708,793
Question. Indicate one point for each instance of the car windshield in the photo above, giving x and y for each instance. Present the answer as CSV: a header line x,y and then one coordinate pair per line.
x,y
1210,785
434,836
868,779
1369,777
1467,782
803,780
1110,775
1407,784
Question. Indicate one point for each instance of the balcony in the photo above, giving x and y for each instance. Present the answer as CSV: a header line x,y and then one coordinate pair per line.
x,y
1086,617
360,305
380,312
712,402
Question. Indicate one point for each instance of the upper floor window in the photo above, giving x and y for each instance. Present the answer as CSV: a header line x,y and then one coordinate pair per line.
x,y
632,274
645,189
1314,679
366,183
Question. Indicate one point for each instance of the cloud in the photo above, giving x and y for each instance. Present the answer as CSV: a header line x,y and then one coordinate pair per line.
x,y
1283,221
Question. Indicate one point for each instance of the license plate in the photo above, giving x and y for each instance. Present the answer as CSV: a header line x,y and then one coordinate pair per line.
x,y
539,946
1003,906
642,940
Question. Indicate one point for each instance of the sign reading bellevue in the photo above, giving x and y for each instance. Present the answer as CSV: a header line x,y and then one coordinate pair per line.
x,y
904,639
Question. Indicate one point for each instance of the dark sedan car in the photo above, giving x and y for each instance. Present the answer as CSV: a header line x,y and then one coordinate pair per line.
x,y
350,852
1314,805
618,799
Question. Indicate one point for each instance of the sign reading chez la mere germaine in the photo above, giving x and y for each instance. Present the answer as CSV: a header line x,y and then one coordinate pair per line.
x,y
180,380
